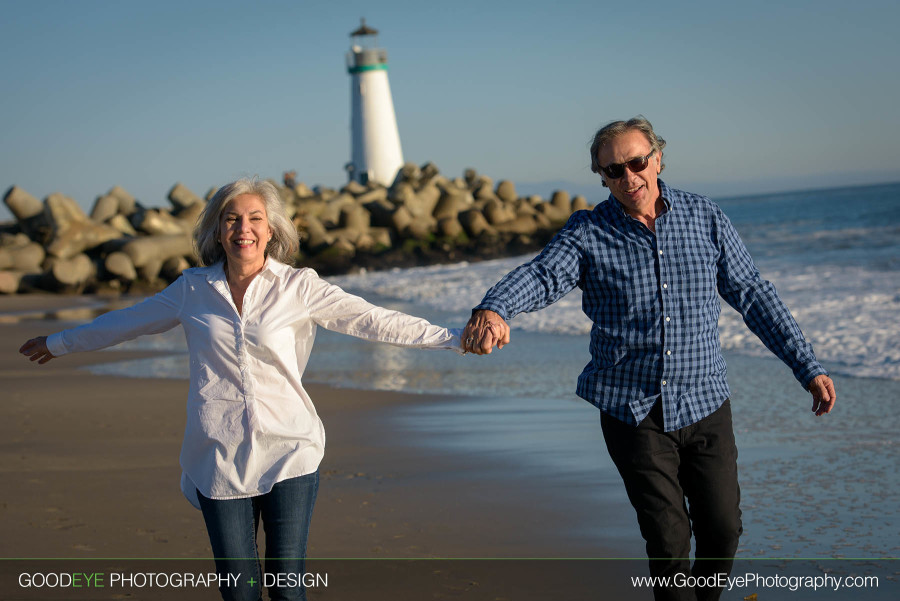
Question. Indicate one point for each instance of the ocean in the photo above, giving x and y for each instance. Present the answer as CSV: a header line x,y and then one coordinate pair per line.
x,y
812,487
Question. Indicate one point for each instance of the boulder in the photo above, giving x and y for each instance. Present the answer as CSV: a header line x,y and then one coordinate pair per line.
x,y
26,258
28,211
302,190
313,233
524,207
69,275
401,219
498,212
19,253
381,237
62,211
428,171
421,228
452,201
127,203
474,223
354,187
524,224
381,212
429,195
172,268
118,266
561,201
409,173
149,271
449,227
146,250
376,194
105,208
483,188
342,246
181,197
330,216
158,222
355,217
418,206
189,216
22,204
579,203
78,237
470,176
506,191
121,224
543,222
401,192
312,205
10,281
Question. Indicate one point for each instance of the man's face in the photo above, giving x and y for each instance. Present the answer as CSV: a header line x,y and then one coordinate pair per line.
x,y
638,192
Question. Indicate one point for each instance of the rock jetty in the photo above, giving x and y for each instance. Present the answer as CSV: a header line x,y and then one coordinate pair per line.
x,y
422,218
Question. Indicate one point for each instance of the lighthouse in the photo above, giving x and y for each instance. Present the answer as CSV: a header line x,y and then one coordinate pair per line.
x,y
374,137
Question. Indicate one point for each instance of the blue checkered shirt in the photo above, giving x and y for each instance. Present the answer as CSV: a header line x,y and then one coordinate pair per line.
x,y
653,300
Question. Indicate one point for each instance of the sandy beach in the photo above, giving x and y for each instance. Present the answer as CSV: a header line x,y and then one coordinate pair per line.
x,y
91,485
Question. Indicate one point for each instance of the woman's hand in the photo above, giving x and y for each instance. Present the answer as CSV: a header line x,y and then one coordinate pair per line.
x,y
36,349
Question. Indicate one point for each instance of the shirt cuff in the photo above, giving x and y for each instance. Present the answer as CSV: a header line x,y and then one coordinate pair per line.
x,y
455,340
56,346
806,375
494,305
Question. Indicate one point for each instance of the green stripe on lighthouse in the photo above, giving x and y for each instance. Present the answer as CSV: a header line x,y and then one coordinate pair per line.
x,y
361,68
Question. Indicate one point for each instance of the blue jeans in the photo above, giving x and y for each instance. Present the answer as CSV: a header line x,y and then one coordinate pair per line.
x,y
232,525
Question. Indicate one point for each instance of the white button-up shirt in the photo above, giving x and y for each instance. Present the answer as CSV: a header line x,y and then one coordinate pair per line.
x,y
250,422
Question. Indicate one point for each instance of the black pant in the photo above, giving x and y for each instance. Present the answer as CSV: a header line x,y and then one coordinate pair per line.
x,y
676,481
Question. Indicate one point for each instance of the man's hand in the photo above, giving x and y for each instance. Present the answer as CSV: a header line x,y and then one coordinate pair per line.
x,y
822,390
36,349
484,330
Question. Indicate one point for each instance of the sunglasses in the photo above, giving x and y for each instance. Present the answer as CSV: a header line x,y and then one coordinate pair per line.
x,y
617,170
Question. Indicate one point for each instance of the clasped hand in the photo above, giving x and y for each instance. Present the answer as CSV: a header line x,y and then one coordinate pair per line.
x,y
485,330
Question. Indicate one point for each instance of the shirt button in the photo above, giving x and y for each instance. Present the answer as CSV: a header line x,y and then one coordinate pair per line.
x,y
660,253
665,285
668,352
667,319
663,382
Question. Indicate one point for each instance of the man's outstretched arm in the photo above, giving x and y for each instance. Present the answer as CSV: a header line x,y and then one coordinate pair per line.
x,y
530,287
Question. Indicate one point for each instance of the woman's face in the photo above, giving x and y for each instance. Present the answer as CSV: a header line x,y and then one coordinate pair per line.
x,y
244,231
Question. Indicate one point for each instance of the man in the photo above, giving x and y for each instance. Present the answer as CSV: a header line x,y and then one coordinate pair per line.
x,y
651,262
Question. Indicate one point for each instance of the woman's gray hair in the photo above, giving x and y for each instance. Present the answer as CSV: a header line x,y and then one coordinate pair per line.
x,y
285,241
615,129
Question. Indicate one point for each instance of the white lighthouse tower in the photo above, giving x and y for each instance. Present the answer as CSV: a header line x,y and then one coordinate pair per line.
x,y
375,140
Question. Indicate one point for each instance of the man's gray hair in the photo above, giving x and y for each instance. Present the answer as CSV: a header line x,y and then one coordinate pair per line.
x,y
615,129
285,241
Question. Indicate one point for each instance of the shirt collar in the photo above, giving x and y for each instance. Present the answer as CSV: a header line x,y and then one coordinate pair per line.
x,y
271,270
664,191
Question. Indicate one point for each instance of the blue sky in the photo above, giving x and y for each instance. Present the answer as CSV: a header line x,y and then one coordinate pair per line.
x,y
751,97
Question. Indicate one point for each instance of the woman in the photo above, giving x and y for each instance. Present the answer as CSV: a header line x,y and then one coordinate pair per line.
x,y
253,440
